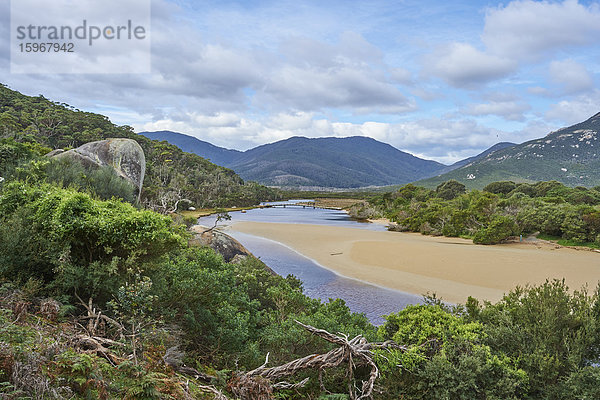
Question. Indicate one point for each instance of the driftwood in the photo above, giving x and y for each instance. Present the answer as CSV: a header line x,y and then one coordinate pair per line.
x,y
257,384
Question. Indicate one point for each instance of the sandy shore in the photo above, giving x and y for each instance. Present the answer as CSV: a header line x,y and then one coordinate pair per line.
x,y
453,268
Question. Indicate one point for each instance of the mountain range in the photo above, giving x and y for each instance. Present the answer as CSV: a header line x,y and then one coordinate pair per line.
x,y
350,162
569,155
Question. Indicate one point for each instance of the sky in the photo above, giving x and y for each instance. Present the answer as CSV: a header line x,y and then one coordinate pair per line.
x,y
443,80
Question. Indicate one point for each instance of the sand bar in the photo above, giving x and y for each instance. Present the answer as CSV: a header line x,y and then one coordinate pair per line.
x,y
453,268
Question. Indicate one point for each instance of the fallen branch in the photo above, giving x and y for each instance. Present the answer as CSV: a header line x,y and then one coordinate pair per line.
x,y
94,318
213,390
96,345
256,384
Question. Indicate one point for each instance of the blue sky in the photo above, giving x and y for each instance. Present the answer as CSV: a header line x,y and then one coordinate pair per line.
x,y
442,80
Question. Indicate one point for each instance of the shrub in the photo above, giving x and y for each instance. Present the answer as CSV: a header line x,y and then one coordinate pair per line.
x,y
76,243
498,230
450,189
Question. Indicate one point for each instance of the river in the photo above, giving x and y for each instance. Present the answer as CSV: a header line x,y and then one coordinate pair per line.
x,y
318,281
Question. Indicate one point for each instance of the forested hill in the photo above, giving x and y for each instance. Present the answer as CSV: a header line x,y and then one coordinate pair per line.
x,y
569,155
215,154
332,162
348,162
171,174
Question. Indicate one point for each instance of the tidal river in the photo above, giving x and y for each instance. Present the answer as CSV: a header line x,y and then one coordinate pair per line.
x,y
319,282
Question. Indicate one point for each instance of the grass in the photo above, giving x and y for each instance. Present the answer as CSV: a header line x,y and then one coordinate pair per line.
x,y
568,242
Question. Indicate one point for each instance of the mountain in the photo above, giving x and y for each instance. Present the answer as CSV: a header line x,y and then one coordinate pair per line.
x,y
215,154
322,162
496,147
569,155
332,162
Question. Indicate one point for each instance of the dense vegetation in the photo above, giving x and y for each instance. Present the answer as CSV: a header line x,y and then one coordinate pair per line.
x,y
499,211
136,266
31,126
100,299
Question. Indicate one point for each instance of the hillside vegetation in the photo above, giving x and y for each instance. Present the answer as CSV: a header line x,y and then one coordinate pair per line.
x,y
569,155
500,211
31,126
103,299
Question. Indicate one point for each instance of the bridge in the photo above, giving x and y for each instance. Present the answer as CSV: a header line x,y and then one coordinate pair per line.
x,y
304,204
309,204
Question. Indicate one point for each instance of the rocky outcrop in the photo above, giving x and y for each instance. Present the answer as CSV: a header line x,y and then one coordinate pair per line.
x,y
228,247
124,155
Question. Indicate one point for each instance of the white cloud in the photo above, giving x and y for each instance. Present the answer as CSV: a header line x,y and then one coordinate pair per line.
x,y
526,29
462,65
311,89
571,76
570,112
444,140
510,110
401,75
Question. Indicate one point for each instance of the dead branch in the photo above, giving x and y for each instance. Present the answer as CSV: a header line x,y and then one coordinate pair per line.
x,y
94,318
256,384
213,390
96,345
174,358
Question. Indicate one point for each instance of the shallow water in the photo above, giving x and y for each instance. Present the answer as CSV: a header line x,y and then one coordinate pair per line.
x,y
319,282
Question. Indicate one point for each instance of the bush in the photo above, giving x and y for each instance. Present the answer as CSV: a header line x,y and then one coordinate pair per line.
x,y
503,187
102,182
76,243
498,230
450,189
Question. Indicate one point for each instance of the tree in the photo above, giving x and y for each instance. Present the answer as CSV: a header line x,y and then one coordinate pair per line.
x,y
450,189
498,230
221,215
445,358
503,187
550,331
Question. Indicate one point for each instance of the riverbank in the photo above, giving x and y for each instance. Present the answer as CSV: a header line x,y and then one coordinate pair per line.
x,y
453,268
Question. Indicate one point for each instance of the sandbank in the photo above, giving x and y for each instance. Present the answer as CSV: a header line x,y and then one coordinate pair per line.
x,y
453,268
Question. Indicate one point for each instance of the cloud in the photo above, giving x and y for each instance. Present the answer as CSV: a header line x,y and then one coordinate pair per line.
x,y
462,65
313,89
527,30
538,91
509,110
571,76
576,110
441,139
349,74
523,31
401,75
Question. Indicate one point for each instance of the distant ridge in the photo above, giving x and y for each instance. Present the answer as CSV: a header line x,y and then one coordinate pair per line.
x,y
215,154
350,162
332,162
569,155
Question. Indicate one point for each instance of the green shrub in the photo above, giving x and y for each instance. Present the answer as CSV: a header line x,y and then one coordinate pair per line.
x,y
498,230
76,243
